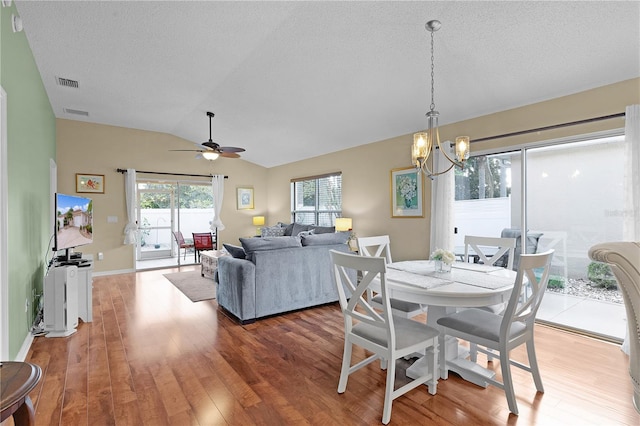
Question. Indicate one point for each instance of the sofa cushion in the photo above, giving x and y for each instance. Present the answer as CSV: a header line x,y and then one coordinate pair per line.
x,y
323,229
272,231
251,245
288,229
325,239
235,251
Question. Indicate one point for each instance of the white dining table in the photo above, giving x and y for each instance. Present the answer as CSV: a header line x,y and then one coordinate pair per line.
x,y
466,285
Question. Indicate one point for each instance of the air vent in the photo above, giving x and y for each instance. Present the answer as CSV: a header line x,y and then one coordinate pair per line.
x,y
76,112
67,82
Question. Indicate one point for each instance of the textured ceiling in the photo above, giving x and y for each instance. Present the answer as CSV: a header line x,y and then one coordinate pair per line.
x,y
293,80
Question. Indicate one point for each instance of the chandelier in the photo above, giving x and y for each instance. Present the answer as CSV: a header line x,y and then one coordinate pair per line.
x,y
426,142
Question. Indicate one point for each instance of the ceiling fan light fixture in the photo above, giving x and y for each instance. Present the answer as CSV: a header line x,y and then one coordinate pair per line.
x,y
210,155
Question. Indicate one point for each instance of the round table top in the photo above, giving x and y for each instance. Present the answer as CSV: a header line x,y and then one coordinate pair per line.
x,y
17,379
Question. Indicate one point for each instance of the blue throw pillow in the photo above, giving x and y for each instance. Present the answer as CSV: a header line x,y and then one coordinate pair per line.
x,y
324,229
235,251
298,228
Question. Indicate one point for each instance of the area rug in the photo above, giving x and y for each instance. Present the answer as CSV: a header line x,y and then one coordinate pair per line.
x,y
193,285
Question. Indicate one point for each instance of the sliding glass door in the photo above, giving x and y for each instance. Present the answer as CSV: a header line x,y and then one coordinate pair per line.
x,y
570,195
166,209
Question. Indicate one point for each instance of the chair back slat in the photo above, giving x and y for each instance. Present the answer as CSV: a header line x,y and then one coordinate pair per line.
x,y
354,305
480,244
533,276
378,246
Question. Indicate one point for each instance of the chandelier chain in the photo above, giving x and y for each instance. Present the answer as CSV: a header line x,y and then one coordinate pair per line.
x,y
433,105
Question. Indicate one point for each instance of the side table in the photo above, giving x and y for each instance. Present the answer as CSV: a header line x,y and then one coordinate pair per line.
x,y
17,379
209,262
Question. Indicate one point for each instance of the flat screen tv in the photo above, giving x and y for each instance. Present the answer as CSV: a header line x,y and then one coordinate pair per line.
x,y
74,222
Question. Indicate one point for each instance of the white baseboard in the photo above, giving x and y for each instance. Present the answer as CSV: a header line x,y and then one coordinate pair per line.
x,y
115,272
24,350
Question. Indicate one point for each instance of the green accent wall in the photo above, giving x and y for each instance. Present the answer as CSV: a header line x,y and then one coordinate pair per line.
x,y
31,143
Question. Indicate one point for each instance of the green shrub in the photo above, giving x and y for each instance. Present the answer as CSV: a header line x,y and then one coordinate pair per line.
x,y
555,281
600,274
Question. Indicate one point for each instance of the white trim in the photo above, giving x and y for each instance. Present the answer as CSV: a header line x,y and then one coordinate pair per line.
x,y
114,272
4,231
24,350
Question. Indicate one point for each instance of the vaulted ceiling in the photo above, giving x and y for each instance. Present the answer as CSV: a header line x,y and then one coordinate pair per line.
x,y
293,80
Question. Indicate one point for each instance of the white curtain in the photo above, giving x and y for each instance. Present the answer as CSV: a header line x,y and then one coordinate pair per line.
x,y
442,197
217,185
631,229
131,229
631,224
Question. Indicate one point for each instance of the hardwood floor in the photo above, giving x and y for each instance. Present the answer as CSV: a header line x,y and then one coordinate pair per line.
x,y
152,357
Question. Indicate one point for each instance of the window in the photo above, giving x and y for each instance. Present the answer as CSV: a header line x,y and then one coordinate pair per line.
x,y
316,200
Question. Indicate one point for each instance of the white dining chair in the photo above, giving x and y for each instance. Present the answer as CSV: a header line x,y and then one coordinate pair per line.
x,y
490,250
497,334
380,246
389,337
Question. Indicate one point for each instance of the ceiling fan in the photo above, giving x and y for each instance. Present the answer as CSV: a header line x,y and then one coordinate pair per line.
x,y
212,150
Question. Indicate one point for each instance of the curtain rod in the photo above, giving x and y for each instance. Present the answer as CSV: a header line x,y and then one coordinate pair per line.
x,y
165,173
552,127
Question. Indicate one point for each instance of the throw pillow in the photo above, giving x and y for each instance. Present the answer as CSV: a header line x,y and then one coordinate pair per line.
x,y
272,231
324,229
326,239
235,251
298,228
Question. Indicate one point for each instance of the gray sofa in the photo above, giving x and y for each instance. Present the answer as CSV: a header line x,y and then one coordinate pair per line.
x,y
279,274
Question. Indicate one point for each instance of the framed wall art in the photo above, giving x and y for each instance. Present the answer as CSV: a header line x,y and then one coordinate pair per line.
x,y
407,196
245,198
89,183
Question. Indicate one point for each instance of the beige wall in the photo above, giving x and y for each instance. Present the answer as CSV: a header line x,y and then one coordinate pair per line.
x,y
92,148
99,149
366,169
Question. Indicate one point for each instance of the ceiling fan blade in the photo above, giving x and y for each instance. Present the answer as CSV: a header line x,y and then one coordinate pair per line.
x,y
186,150
231,149
229,155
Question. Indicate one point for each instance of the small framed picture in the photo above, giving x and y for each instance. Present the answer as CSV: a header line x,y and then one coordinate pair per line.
x,y
89,183
245,198
407,197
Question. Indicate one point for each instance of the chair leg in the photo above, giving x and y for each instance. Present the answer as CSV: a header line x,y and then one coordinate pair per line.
x,y
507,381
346,365
442,357
433,357
533,364
388,393
473,352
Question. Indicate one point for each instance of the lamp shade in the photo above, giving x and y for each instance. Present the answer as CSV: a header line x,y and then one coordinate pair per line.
x,y
210,155
258,220
343,224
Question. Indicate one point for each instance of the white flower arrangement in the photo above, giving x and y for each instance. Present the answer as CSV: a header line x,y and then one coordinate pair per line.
x,y
443,255
408,187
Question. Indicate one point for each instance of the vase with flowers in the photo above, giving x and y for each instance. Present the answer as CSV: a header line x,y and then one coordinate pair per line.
x,y
442,260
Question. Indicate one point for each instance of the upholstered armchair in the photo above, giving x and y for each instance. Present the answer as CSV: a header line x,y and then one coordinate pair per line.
x,y
624,260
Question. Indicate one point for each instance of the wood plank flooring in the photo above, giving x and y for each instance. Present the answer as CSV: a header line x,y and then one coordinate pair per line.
x,y
152,357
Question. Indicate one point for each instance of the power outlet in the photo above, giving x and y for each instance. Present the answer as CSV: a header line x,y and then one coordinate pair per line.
x,y
100,256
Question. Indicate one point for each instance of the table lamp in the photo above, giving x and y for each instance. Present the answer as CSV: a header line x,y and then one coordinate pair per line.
x,y
258,221
343,224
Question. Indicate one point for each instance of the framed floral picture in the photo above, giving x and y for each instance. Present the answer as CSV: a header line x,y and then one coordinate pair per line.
x,y
89,183
407,196
245,198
